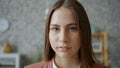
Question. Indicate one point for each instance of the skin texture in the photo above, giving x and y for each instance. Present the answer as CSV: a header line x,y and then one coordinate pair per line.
x,y
64,36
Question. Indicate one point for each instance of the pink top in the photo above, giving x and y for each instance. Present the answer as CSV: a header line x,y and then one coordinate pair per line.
x,y
49,65
40,65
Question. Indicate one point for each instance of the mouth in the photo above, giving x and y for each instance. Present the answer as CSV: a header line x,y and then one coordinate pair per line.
x,y
64,48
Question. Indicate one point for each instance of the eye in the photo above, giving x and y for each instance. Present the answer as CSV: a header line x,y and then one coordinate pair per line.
x,y
72,28
54,29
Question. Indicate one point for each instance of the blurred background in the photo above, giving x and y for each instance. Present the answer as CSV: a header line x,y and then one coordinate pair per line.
x,y
24,27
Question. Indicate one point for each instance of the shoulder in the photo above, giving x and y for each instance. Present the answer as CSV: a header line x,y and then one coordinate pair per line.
x,y
99,66
42,64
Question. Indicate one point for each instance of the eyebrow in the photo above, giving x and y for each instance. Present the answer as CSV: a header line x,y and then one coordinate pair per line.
x,y
67,24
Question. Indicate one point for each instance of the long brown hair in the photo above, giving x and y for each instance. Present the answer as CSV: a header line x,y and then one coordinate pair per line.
x,y
85,53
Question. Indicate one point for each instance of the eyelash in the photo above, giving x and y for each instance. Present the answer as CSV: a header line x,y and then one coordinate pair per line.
x,y
72,28
54,28
69,29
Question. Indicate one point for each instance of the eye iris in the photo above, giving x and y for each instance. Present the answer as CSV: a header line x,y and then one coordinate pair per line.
x,y
55,29
72,28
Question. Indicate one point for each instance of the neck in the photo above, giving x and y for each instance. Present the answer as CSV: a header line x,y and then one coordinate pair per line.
x,y
67,62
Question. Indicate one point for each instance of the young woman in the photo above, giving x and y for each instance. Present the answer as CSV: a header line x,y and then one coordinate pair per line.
x,y
67,38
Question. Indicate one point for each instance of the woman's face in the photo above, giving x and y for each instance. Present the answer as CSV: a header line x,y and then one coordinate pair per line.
x,y
64,33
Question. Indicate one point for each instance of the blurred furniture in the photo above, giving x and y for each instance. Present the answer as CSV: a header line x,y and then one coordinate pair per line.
x,y
104,53
9,60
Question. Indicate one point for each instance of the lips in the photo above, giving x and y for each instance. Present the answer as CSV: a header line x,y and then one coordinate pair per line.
x,y
64,48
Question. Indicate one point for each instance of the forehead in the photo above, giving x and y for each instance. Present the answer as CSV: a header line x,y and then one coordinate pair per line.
x,y
63,15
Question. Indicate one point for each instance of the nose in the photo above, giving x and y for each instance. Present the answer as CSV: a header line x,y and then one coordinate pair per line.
x,y
63,36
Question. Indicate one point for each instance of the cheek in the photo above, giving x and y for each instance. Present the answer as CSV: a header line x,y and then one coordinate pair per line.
x,y
75,37
53,39
76,40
